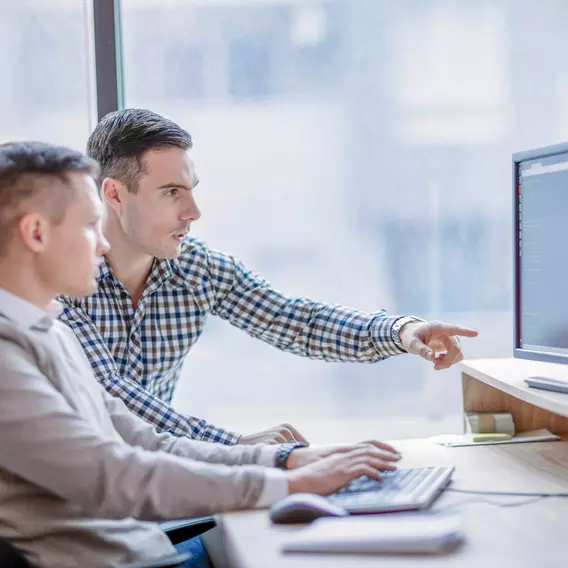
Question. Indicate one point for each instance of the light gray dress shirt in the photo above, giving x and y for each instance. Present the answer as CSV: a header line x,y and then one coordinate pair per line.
x,y
81,478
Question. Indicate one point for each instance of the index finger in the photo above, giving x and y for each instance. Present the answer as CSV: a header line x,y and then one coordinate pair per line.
x,y
297,436
451,329
285,433
382,446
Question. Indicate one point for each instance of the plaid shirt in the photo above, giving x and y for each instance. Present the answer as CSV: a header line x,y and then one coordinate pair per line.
x,y
137,353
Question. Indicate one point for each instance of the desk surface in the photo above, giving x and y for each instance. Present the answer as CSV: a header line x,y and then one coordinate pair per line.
x,y
531,535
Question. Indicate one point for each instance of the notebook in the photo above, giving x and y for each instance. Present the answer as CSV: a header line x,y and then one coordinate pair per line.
x,y
400,533
451,440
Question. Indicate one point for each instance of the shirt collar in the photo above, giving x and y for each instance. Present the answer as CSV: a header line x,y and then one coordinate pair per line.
x,y
104,270
26,314
162,270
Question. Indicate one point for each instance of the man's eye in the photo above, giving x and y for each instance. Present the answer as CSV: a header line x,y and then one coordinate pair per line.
x,y
172,192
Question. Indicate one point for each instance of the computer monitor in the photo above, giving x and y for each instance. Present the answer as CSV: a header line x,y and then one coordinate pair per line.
x,y
540,186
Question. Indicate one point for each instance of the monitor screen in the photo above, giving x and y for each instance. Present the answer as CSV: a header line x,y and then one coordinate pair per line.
x,y
541,254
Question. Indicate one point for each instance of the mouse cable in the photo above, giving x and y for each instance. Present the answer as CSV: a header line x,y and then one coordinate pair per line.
x,y
541,494
533,497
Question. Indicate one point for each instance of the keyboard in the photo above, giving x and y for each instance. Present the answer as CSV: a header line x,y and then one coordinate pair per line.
x,y
400,490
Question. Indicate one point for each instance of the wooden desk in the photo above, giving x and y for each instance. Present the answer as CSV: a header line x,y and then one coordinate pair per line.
x,y
528,536
531,536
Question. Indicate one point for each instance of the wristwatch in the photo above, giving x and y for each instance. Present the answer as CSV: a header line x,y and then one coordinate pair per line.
x,y
397,326
284,451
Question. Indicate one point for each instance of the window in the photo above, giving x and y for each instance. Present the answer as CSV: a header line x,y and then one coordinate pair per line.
x,y
47,88
356,152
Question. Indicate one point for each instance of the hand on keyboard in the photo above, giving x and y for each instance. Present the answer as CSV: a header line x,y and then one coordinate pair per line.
x,y
403,489
400,479
305,456
330,473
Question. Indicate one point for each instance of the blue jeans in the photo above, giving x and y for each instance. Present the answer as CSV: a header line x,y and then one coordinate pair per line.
x,y
199,558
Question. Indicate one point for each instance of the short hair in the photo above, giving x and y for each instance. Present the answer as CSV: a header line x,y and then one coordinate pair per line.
x,y
120,140
25,167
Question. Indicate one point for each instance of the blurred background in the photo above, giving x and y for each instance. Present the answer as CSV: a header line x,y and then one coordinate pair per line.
x,y
352,151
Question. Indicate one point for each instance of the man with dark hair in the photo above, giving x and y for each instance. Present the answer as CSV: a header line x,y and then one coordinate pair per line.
x,y
81,477
158,285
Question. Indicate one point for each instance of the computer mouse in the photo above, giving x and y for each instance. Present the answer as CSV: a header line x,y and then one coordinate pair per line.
x,y
304,508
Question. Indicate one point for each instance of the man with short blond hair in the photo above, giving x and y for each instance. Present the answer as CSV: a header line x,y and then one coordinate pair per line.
x,y
82,478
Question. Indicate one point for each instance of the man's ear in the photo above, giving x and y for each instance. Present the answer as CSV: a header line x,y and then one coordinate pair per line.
x,y
34,231
111,192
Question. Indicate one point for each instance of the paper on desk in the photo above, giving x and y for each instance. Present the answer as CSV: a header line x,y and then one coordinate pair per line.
x,y
541,435
410,533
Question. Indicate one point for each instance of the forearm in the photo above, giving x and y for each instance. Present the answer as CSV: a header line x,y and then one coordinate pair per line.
x,y
275,485
160,486
161,415
138,432
114,480
297,325
48,442
319,331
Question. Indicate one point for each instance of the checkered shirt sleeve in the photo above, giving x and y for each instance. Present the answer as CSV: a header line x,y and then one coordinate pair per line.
x,y
140,401
298,325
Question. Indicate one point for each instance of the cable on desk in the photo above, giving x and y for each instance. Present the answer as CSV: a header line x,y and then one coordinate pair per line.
x,y
534,497
489,502
508,493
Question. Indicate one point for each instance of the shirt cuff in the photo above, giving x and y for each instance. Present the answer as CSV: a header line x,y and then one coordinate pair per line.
x,y
398,325
382,335
275,488
267,455
221,436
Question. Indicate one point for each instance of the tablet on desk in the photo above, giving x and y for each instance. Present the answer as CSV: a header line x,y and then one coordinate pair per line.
x,y
546,383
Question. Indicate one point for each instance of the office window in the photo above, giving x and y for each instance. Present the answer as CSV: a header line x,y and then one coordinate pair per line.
x,y
45,58
358,152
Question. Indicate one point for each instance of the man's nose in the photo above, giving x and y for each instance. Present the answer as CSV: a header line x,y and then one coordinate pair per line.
x,y
191,211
